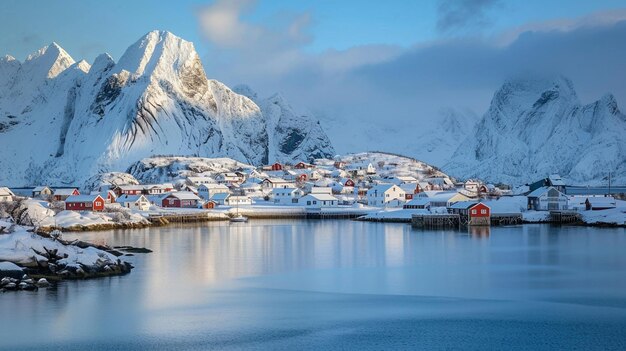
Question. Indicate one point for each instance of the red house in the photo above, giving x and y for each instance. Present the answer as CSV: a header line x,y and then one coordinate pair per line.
x,y
348,182
302,177
62,194
302,165
84,203
475,213
180,199
277,167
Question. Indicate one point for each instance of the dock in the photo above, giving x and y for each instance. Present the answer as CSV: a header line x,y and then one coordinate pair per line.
x,y
436,220
565,217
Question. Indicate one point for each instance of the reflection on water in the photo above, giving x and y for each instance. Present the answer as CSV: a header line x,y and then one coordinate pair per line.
x,y
221,284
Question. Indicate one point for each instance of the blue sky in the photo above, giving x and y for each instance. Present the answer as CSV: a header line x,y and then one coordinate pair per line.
x,y
87,28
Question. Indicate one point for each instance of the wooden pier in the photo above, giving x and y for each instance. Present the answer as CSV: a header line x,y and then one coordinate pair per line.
x,y
174,217
506,218
457,221
435,220
566,217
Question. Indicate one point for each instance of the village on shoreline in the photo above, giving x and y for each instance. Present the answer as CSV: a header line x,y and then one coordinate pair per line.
x,y
366,186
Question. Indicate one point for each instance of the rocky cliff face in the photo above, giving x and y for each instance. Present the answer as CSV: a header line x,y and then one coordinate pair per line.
x,y
63,121
535,127
293,136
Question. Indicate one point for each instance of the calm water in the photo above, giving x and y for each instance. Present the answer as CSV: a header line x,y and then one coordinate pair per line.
x,y
338,285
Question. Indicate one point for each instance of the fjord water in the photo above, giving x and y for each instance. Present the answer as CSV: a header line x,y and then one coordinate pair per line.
x,y
338,285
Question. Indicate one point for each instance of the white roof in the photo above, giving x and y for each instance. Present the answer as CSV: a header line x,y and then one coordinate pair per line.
x,y
463,205
540,191
184,195
64,191
220,196
82,198
556,180
40,188
419,201
282,190
381,188
4,191
322,197
130,198
213,186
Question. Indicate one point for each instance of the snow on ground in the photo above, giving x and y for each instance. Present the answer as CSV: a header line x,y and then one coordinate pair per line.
x,y
614,216
17,247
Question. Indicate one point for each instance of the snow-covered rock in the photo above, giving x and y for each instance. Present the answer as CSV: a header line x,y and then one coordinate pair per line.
x,y
65,121
536,127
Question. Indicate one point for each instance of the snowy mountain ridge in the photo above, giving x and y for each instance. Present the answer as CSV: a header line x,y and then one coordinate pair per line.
x,y
65,121
535,127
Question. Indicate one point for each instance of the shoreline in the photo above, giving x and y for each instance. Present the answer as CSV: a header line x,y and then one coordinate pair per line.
x,y
162,222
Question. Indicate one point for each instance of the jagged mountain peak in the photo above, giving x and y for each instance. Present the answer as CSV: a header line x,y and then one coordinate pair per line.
x,y
159,51
155,100
535,127
7,58
48,62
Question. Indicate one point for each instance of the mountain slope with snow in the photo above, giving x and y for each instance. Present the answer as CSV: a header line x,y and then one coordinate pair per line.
x,y
64,121
535,127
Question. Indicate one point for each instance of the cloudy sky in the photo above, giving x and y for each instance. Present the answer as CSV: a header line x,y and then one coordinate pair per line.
x,y
391,64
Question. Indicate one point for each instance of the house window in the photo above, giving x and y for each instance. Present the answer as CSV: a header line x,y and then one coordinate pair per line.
x,y
483,211
308,202
473,212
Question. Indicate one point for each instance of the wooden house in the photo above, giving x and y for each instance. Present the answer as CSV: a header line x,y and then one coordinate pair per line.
x,y
84,203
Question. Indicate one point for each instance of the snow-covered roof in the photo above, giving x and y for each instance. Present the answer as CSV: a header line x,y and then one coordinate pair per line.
x,y
64,191
212,186
540,191
381,188
184,195
463,205
419,201
40,188
556,180
322,197
283,190
220,196
4,191
130,198
83,198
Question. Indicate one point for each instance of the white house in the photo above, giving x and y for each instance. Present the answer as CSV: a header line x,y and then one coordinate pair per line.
x,y
318,201
385,195
6,194
42,192
206,191
134,202
547,198
286,196
197,181
235,200
271,183
442,198
228,178
361,168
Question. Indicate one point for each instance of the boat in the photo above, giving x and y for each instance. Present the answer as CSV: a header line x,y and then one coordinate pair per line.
x,y
239,219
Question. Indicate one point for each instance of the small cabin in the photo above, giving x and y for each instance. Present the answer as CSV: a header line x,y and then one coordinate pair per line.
x,y
472,213
303,165
62,194
84,203
180,199
277,167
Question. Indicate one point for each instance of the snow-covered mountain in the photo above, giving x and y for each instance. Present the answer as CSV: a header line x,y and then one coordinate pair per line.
x,y
64,121
292,136
535,127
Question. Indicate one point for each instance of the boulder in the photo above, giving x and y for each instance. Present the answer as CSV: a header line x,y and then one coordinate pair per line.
x,y
11,270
